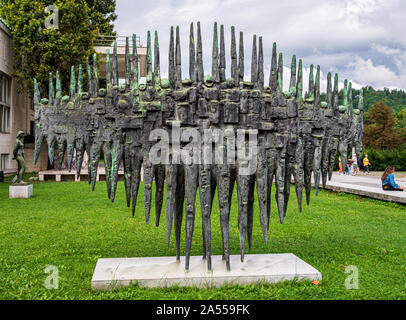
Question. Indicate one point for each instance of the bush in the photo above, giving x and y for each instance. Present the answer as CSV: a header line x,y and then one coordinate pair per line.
x,y
380,159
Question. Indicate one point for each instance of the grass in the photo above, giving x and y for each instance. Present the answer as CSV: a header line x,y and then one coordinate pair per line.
x,y
67,225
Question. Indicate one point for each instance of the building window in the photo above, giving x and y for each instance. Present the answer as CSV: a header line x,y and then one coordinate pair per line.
x,y
5,85
4,161
4,119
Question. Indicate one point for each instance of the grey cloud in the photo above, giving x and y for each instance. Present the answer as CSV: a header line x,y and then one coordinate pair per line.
x,y
362,40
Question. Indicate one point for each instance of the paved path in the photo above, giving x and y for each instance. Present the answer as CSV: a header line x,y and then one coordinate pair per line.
x,y
367,185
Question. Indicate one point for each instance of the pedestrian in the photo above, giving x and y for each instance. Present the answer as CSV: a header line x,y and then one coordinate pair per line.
x,y
340,166
366,164
355,168
349,167
388,180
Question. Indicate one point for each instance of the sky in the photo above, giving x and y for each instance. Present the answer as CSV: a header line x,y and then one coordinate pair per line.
x,y
363,41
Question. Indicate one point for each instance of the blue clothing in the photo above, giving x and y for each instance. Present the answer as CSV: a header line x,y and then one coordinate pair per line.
x,y
390,179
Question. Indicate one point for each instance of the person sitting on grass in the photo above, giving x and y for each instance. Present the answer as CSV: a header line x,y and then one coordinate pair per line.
x,y
388,180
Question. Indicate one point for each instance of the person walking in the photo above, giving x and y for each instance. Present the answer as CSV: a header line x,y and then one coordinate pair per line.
x,y
366,164
340,166
355,168
388,180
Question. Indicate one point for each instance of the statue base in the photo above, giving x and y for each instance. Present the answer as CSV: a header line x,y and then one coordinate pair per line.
x,y
20,191
165,271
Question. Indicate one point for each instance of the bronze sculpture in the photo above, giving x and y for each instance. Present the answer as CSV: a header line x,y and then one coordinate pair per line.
x,y
19,156
295,135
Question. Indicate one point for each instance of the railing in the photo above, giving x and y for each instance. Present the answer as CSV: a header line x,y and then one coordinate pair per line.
x,y
107,41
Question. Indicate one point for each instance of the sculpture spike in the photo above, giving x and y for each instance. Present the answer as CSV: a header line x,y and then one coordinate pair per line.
x,y
95,76
51,89
222,55
61,152
317,89
51,151
178,63
37,94
262,185
243,186
157,67
234,67
171,172
345,95
72,83
134,65
108,159
329,94
171,59
225,183
254,62
215,56
89,77
205,188
335,93
192,55
108,72
126,156
150,77
273,77
127,63
148,179
199,56
250,216
58,87
159,193
280,72
299,90
80,81
292,84
179,200
241,59
260,65
191,176
310,92
350,104
115,65
116,156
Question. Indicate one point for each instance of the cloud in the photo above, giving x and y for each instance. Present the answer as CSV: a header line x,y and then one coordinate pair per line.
x,y
361,40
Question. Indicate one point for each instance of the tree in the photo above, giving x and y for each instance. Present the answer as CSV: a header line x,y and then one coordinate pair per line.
x,y
103,15
39,51
379,133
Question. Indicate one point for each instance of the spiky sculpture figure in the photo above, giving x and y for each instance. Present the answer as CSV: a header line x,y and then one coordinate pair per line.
x,y
296,136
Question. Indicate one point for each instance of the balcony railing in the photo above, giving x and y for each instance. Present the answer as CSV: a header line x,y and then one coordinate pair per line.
x,y
107,41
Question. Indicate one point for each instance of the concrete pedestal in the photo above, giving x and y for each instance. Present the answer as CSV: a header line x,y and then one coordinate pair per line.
x,y
165,271
20,191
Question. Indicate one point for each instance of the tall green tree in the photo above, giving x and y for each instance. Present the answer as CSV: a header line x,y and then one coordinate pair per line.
x,y
102,15
39,50
379,132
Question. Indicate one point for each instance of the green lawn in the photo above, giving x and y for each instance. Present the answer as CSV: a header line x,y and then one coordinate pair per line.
x,y
69,226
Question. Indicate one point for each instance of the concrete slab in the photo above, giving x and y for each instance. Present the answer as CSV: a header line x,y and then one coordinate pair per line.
x,y
369,186
165,271
20,191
